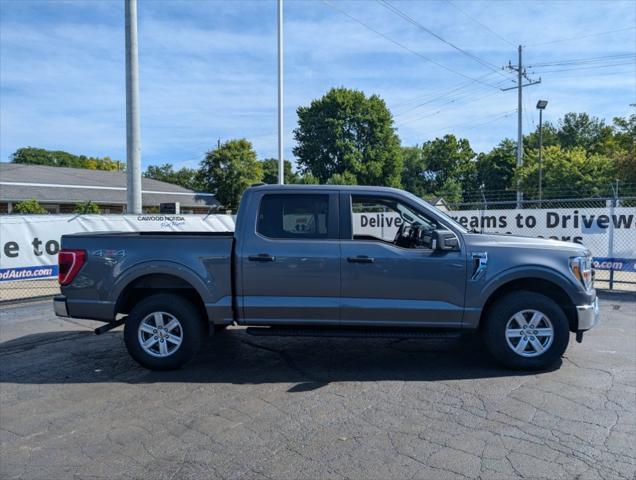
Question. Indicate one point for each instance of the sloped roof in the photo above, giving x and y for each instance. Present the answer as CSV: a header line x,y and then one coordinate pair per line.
x,y
72,185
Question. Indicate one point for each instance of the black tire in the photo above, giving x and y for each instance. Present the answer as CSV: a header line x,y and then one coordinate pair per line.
x,y
191,331
500,314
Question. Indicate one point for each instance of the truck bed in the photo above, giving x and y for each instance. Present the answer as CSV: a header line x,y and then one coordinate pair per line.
x,y
121,261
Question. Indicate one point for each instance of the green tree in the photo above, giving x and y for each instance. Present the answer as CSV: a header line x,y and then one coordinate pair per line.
x,y
185,177
344,131
228,170
626,167
550,137
451,191
346,178
570,170
59,158
413,172
86,208
270,171
445,159
307,179
625,137
625,132
495,169
29,207
581,130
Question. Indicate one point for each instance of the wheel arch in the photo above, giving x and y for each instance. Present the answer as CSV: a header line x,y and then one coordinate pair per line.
x,y
547,287
151,280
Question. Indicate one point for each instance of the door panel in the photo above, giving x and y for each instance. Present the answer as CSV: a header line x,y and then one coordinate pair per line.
x,y
292,279
301,285
386,284
405,287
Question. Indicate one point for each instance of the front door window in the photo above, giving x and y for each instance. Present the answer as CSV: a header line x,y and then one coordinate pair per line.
x,y
388,220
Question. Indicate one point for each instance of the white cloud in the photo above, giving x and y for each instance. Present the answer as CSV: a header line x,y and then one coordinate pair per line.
x,y
208,70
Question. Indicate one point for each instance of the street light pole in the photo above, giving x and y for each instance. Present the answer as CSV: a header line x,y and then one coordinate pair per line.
x,y
281,161
133,147
540,159
541,104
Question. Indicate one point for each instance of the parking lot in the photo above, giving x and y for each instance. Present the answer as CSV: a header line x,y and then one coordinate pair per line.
x,y
74,405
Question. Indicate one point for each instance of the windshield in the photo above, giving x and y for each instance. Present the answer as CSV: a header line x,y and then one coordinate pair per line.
x,y
413,217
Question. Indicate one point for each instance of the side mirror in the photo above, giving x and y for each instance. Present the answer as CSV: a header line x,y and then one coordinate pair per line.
x,y
444,241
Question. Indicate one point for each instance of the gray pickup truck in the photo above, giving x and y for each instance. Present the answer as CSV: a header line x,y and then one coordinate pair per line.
x,y
330,261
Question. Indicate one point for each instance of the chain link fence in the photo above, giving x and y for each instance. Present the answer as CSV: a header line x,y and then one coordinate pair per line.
x,y
604,222
28,290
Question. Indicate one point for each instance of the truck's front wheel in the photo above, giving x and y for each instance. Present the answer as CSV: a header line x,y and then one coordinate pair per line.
x,y
163,332
526,330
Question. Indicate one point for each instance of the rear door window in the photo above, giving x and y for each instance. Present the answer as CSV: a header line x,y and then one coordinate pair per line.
x,y
294,216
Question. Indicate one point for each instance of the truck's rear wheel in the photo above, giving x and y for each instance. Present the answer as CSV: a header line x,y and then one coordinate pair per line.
x,y
163,332
526,330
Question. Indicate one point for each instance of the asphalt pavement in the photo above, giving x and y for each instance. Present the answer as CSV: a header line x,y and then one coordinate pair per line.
x,y
74,405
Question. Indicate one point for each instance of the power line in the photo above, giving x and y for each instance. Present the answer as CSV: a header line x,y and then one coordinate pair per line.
x,y
473,125
432,96
529,112
596,74
437,112
401,45
442,92
432,113
597,34
581,61
586,68
411,20
454,95
439,108
480,24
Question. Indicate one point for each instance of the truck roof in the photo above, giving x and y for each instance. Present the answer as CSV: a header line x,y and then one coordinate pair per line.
x,y
296,186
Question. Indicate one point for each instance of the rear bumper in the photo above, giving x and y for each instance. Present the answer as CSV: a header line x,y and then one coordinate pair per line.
x,y
588,315
88,309
59,306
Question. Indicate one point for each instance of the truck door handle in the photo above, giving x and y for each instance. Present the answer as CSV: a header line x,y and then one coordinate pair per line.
x,y
360,259
261,257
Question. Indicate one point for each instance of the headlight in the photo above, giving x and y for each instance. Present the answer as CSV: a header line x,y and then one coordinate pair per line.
x,y
581,268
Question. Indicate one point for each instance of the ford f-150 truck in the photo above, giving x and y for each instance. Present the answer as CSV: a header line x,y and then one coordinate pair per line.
x,y
331,261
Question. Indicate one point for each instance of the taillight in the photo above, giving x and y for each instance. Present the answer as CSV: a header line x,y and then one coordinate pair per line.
x,y
70,262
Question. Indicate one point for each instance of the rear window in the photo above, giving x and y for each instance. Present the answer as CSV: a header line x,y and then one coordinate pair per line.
x,y
294,216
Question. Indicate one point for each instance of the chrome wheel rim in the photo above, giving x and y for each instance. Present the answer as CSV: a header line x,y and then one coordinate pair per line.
x,y
529,333
160,334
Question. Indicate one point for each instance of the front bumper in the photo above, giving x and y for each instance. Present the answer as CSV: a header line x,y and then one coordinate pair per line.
x,y
588,315
59,306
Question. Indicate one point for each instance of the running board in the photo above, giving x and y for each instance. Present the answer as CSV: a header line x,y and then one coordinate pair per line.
x,y
348,333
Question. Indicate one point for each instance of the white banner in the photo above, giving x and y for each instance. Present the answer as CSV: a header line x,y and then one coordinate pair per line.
x,y
610,233
607,232
30,243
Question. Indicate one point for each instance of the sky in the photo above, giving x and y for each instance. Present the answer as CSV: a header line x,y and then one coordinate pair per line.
x,y
208,69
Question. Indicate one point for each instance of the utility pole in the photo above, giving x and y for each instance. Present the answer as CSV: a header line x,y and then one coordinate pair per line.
x,y
281,161
521,74
133,147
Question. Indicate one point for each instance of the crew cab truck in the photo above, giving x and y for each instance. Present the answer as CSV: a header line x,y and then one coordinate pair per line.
x,y
330,261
